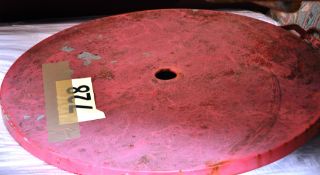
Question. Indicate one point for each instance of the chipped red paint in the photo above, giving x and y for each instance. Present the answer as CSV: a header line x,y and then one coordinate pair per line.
x,y
246,93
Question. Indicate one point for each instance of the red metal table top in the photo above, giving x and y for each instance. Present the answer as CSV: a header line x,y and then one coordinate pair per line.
x,y
243,93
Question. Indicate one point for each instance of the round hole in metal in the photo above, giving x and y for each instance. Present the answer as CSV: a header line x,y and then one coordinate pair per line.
x,y
165,74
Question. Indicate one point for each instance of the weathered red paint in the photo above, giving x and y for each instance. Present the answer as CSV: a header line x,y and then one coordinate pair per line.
x,y
246,94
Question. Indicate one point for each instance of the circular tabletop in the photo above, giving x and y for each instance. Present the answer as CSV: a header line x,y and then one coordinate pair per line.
x,y
183,91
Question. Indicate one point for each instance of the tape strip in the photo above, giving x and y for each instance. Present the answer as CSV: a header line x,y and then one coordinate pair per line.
x,y
51,73
66,116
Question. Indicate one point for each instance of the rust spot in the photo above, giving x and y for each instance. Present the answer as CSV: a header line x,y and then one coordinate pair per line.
x,y
259,160
105,74
208,103
210,76
154,81
204,126
82,150
215,168
144,160
229,73
262,62
38,128
291,76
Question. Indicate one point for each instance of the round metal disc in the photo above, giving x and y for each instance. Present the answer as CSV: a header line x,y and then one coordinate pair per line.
x,y
184,91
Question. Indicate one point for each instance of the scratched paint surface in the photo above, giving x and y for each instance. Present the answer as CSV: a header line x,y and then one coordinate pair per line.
x,y
239,100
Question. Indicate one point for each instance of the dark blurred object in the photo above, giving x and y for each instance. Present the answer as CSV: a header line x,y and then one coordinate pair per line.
x,y
309,35
17,10
284,5
307,17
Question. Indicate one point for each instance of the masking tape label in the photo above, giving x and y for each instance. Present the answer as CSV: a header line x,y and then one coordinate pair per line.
x,y
75,101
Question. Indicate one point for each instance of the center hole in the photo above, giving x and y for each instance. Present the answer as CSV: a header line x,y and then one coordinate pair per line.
x,y
165,74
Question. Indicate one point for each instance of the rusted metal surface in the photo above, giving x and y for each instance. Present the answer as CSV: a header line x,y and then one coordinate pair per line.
x,y
238,101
